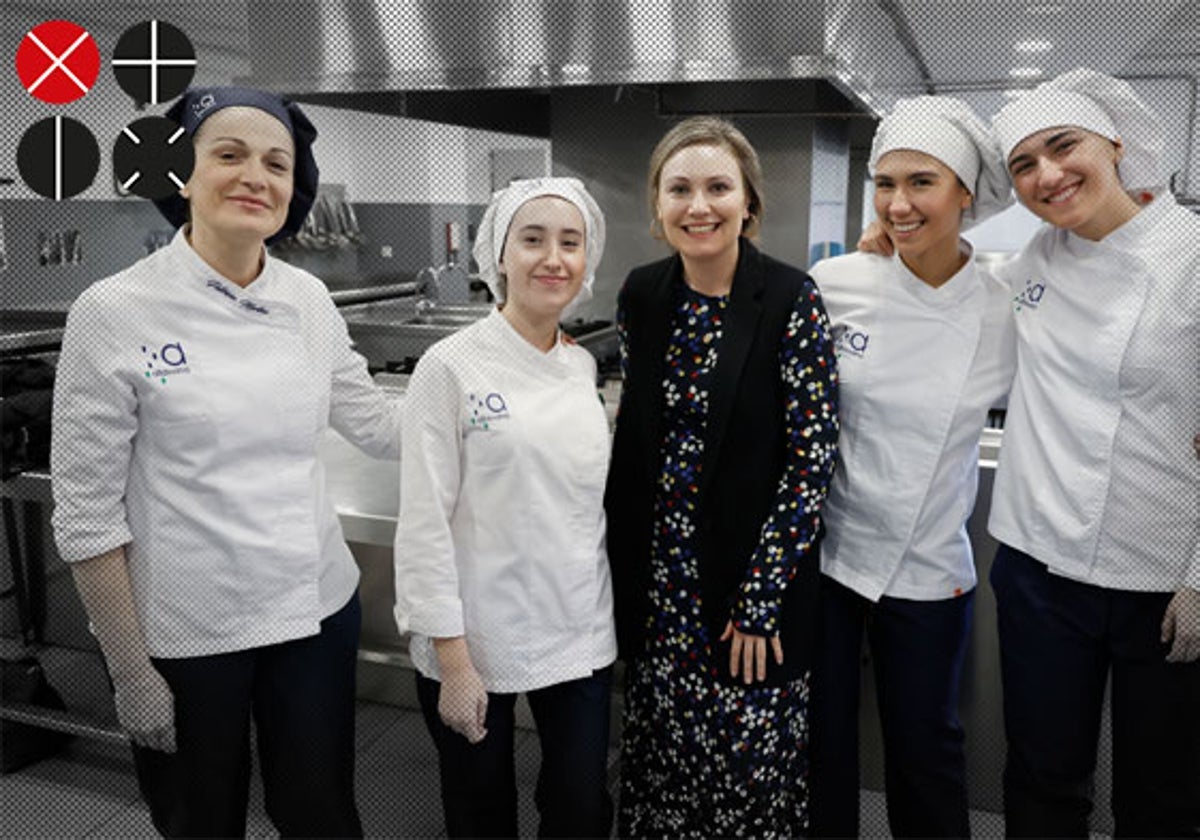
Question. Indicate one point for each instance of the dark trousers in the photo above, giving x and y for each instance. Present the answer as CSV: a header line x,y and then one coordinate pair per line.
x,y
479,786
917,648
300,695
1059,641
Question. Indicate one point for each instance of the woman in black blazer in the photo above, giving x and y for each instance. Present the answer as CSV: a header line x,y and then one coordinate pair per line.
x,y
725,444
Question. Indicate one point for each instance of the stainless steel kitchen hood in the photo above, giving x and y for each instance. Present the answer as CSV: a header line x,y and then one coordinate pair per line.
x,y
352,46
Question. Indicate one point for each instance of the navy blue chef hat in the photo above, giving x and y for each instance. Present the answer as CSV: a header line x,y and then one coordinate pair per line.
x,y
198,104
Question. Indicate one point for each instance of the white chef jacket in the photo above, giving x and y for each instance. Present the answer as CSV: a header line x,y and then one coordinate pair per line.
x,y
1097,475
918,369
187,417
501,535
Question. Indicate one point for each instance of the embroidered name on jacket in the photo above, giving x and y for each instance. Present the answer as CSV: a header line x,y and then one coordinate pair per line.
x,y
485,409
168,360
245,303
1031,297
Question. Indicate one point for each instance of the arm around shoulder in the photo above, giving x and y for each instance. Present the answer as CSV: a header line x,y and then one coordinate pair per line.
x,y
359,409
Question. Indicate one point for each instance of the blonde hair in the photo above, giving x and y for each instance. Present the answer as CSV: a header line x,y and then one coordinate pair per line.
x,y
710,131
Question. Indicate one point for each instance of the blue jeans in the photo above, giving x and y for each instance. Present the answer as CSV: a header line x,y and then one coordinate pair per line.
x,y
1059,641
301,697
479,787
917,648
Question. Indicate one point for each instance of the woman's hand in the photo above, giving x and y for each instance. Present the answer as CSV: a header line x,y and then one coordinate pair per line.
x,y
875,240
462,698
144,703
1181,626
146,708
749,653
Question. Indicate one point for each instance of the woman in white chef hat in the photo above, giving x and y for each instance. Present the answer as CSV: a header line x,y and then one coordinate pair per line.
x,y
192,392
502,577
925,349
1096,498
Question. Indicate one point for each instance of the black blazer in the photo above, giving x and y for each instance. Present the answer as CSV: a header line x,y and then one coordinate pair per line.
x,y
745,451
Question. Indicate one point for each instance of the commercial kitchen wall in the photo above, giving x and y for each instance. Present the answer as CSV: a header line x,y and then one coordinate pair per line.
x,y
604,136
406,178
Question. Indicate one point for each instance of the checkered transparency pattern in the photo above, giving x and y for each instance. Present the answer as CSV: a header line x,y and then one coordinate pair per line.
x,y
114,232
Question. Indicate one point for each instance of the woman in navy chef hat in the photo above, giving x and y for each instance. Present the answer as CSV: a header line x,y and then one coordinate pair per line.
x,y
925,349
193,390
1098,574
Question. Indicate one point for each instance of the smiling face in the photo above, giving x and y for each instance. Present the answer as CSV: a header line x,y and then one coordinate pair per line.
x,y
544,258
1068,177
241,186
919,200
702,202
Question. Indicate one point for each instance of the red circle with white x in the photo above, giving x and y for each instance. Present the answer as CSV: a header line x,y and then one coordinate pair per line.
x,y
58,61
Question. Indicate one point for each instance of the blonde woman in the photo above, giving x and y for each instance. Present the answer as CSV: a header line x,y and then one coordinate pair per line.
x,y
725,443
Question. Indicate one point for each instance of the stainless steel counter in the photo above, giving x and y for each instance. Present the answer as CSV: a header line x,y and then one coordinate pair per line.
x,y
31,341
392,334
31,329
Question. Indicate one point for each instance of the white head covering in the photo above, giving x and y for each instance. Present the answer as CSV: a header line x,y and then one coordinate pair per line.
x,y
1097,103
493,230
947,129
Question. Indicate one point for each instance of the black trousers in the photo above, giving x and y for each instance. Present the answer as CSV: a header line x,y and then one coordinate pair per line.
x,y
479,786
301,697
1060,640
917,648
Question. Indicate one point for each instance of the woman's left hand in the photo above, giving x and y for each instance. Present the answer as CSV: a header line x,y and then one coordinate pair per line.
x,y
1181,626
749,653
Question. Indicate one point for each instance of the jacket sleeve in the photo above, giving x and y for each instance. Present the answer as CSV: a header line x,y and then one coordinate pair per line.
x,y
92,429
428,600
623,333
358,408
809,375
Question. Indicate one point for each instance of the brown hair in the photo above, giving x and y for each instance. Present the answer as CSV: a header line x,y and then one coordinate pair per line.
x,y
710,131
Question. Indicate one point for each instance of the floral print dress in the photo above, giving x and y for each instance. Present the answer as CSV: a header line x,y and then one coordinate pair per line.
x,y
701,757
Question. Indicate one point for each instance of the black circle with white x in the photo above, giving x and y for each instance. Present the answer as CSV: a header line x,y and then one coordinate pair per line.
x,y
153,157
153,62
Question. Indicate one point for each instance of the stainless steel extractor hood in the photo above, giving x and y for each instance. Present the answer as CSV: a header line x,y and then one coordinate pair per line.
x,y
350,46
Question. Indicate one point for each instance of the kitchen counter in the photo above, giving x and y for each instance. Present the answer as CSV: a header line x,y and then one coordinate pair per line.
x,y
32,329
30,341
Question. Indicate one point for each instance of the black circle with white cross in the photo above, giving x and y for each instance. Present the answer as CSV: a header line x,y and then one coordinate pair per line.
x,y
153,157
58,157
153,62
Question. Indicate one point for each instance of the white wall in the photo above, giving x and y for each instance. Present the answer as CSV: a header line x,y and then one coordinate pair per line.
x,y
406,161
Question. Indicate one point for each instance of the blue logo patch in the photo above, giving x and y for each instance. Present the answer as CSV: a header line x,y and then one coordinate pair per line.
x,y
848,341
485,409
1031,297
168,360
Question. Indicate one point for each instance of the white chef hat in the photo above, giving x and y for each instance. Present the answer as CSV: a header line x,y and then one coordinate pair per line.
x,y
493,230
947,129
1095,102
